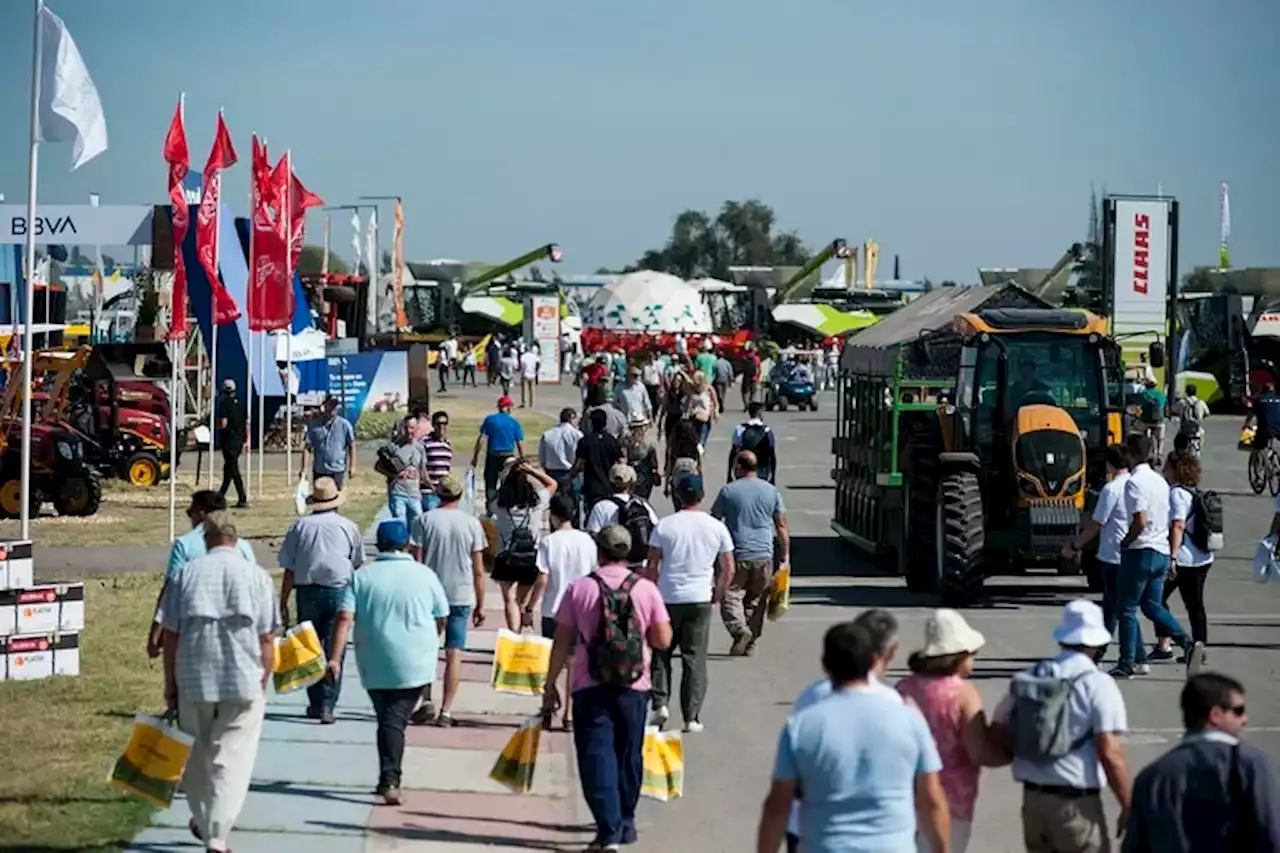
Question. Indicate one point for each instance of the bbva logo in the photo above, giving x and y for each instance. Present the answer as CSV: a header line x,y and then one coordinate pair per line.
x,y
44,225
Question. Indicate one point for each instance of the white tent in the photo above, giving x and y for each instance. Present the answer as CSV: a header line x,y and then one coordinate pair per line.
x,y
648,301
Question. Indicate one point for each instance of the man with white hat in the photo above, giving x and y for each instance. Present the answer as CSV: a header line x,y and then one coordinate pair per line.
x,y
1062,720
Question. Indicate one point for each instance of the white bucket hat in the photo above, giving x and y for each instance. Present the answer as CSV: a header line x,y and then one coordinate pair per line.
x,y
1082,625
946,633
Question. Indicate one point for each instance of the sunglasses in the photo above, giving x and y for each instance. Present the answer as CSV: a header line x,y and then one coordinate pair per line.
x,y
439,423
1235,710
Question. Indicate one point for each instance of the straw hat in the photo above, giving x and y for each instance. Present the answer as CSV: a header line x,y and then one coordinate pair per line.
x,y
1082,625
946,633
638,420
325,494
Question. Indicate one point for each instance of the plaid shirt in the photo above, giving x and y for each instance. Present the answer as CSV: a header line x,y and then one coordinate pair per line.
x,y
219,605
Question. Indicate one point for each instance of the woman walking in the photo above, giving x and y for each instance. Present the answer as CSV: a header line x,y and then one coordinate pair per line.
x,y
940,687
700,405
521,521
642,455
1190,566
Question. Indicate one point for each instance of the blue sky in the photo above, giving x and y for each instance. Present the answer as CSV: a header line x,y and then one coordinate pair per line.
x,y
956,134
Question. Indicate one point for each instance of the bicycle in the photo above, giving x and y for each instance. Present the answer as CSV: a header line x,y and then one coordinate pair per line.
x,y
1264,470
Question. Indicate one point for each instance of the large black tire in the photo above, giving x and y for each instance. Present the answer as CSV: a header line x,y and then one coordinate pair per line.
x,y
959,515
79,496
919,541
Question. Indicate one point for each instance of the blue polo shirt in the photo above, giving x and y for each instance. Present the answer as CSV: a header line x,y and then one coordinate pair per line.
x,y
502,432
189,546
396,601
329,440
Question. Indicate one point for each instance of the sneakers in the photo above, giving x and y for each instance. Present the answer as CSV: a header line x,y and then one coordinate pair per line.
x,y
1195,659
1122,672
693,727
742,645
390,796
1142,669
1160,654
660,717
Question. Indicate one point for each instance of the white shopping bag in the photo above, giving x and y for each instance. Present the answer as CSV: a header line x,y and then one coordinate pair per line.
x,y
300,494
469,492
1266,566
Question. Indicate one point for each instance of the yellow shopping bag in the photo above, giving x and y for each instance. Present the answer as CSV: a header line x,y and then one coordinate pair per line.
x,y
153,762
520,663
299,659
514,767
1246,438
779,593
663,765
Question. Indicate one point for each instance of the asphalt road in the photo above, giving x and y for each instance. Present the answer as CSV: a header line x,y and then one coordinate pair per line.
x,y
728,766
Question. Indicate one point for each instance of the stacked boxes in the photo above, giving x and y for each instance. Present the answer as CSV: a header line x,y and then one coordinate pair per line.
x,y
39,625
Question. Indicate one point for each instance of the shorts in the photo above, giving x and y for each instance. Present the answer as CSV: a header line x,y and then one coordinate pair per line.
x,y
455,626
430,502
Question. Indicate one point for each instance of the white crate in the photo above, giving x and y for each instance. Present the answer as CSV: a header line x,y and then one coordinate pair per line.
x,y
17,568
28,658
45,609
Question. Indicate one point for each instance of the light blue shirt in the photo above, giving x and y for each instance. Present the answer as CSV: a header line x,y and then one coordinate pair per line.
x,y
856,755
329,440
747,508
322,549
396,601
189,546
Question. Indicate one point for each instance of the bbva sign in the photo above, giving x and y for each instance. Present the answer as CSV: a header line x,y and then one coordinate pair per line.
x,y
78,224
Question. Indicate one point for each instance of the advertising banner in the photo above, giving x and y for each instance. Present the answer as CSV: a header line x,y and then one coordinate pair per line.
x,y
542,326
370,383
1140,267
79,224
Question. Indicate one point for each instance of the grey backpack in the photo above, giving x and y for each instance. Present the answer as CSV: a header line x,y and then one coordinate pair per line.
x,y
1041,713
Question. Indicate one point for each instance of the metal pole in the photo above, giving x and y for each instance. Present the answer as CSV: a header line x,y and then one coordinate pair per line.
x,y
248,338
288,276
263,338
174,348
29,338
213,326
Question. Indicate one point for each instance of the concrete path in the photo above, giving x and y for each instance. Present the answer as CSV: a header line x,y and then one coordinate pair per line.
x,y
312,784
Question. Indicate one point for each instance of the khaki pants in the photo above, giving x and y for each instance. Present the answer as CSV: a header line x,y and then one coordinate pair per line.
x,y
747,600
1052,823
221,764
526,391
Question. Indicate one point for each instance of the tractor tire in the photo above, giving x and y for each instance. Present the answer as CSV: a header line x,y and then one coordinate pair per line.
x,y
920,539
79,496
960,524
11,498
143,469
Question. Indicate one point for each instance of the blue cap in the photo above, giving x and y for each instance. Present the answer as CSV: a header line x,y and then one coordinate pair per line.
x,y
393,534
689,487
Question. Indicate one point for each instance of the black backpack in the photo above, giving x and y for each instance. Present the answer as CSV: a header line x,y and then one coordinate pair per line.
x,y
389,464
1206,509
615,655
521,551
754,437
634,516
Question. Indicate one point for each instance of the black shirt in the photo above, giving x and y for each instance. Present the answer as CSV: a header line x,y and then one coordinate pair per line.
x,y
598,452
230,410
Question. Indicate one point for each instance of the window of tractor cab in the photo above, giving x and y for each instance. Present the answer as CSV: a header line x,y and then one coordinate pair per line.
x,y
1064,368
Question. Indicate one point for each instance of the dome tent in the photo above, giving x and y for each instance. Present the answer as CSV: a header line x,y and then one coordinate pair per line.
x,y
648,301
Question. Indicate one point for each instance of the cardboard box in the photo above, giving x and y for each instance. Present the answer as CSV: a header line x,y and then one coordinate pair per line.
x,y
46,609
31,658
17,567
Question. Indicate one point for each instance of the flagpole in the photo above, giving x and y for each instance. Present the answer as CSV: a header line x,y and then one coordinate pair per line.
x,y
286,217
262,404
213,319
29,338
174,347
248,345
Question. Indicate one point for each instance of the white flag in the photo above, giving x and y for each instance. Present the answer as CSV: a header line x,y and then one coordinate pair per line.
x,y
371,302
1226,212
355,242
69,105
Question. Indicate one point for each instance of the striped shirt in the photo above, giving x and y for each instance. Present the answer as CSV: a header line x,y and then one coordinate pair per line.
x,y
439,459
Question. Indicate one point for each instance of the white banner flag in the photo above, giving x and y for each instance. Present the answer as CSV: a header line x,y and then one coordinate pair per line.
x,y
69,104
356,233
371,303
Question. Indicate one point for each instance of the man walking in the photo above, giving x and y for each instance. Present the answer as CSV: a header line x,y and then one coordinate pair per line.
x,y
558,449
615,421
320,553
750,378
505,438
634,398
401,609
684,551
1212,791
231,428
451,542
1110,522
530,362
597,453
609,686
330,445
1144,563
723,378
755,435
439,455
752,510
404,490
219,619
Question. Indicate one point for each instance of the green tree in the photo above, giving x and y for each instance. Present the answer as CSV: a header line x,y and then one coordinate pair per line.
x,y
741,234
311,260
1089,289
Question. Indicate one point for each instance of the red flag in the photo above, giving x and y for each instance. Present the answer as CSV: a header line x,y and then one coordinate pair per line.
x,y
270,307
179,160
221,156
300,200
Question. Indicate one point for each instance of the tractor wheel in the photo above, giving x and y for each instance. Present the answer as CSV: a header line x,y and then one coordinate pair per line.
x,y
79,496
11,498
961,538
920,536
143,469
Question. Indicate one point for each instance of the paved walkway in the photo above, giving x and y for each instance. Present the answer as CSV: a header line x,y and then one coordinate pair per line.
x,y
312,784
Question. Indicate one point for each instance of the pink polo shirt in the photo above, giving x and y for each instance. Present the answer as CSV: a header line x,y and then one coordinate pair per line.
x,y
581,609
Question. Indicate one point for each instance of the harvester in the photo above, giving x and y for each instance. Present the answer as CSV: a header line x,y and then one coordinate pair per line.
x,y
971,433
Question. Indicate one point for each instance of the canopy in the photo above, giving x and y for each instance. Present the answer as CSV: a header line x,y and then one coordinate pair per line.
x,y
649,302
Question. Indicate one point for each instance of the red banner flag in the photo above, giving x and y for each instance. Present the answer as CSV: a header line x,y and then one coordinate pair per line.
x,y
221,156
270,293
179,160
301,200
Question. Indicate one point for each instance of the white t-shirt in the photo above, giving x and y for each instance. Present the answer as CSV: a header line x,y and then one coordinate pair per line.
x,y
1110,513
1180,505
529,365
451,349
1146,491
606,512
564,556
691,542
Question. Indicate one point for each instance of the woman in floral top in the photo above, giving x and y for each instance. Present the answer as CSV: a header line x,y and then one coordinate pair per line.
x,y
952,706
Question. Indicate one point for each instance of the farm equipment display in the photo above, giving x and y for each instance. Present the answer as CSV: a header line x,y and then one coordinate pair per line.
x,y
60,474
971,434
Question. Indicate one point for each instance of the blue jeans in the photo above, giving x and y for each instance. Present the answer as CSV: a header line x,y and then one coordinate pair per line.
x,y
319,606
1109,616
430,502
608,734
1140,585
339,477
407,509
455,626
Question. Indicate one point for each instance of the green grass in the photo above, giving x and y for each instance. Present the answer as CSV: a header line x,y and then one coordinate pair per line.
x,y
62,735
